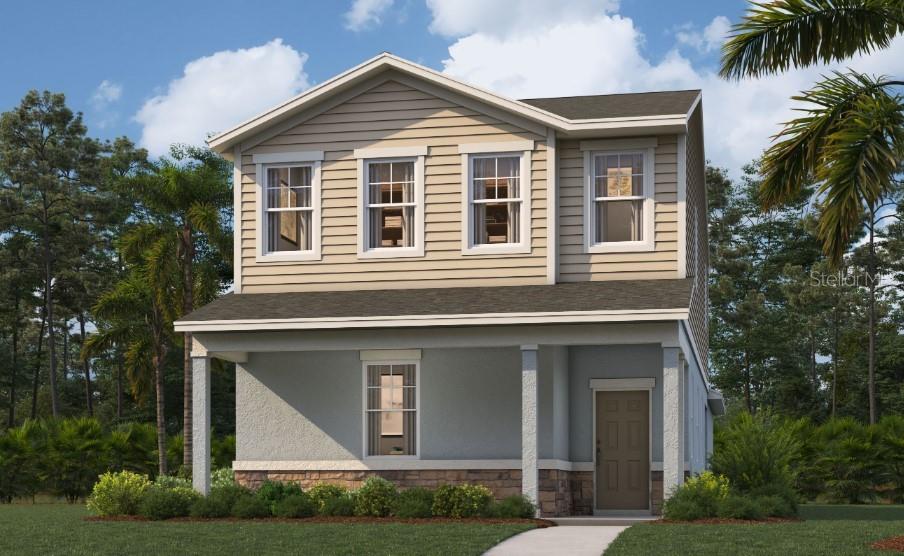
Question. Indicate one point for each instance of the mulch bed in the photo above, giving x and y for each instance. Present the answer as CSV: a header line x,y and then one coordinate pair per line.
x,y
892,543
539,523
726,521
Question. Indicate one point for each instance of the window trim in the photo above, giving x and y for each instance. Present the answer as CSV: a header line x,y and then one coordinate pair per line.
x,y
264,162
417,409
648,242
417,250
467,196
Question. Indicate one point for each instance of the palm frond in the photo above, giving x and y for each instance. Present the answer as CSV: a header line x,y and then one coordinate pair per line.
x,y
775,36
849,142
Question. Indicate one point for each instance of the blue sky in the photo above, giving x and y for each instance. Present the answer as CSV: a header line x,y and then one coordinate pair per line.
x,y
112,58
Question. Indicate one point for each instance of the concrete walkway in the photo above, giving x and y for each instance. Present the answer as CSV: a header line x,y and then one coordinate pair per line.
x,y
564,540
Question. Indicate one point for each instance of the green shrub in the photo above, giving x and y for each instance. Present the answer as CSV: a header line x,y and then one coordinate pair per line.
x,y
165,503
414,502
461,501
272,492
219,502
514,506
890,448
736,506
222,450
321,492
250,507
698,498
222,477
756,451
775,506
848,461
74,456
170,481
339,505
295,505
118,493
375,498
787,495
20,468
132,447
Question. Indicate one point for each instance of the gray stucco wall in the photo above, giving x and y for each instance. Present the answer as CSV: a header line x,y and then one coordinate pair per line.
x,y
302,406
308,405
587,362
695,419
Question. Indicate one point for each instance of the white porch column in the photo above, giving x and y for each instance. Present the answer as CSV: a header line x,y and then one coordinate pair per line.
x,y
673,386
201,423
529,471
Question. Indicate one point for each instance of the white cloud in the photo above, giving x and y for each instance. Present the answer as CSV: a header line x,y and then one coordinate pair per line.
x,y
603,54
219,91
366,13
708,40
106,93
498,18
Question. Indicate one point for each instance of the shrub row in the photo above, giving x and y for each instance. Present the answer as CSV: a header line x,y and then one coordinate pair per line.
x,y
711,496
128,493
839,461
64,457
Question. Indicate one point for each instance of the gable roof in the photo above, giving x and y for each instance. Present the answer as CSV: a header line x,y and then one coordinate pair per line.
x,y
622,300
675,122
661,103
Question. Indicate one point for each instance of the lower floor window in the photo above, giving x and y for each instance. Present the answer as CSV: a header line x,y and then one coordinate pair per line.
x,y
391,409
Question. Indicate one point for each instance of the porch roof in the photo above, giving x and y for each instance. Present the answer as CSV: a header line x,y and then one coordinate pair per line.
x,y
623,300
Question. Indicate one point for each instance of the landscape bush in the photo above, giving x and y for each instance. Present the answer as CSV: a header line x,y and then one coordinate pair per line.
x,y
464,500
414,503
220,501
343,506
118,493
375,498
295,505
273,492
20,471
736,506
698,498
224,476
160,502
249,506
515,506
321,492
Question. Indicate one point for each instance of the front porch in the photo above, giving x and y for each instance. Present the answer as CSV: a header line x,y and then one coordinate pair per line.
x,y
510,407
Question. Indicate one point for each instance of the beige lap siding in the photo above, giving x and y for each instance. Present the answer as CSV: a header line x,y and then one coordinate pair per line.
x,y
393,115
577,266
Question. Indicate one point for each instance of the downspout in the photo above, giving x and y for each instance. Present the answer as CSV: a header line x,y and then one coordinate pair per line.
x,y
552,202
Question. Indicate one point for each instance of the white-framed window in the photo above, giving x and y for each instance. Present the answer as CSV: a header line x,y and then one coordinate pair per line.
x,y
288,197
390,203
391,408
495,201
618,204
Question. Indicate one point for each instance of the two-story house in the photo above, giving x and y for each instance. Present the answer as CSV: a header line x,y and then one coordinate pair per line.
x,y
438,284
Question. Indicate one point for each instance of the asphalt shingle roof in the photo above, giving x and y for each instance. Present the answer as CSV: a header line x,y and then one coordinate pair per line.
x,y
617,106
583,296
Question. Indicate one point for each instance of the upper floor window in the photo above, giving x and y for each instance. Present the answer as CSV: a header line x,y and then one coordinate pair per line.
x,y
389,213
496,217
391,204
619,201
289,209
288,201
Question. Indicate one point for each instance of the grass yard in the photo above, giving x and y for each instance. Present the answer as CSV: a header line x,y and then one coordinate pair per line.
x,y
836,530
59,529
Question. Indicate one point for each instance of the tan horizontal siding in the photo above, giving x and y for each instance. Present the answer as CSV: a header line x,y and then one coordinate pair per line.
x,y
391,115
575,265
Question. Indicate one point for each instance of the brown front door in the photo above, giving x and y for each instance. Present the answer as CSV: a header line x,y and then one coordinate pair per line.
x,y
622,450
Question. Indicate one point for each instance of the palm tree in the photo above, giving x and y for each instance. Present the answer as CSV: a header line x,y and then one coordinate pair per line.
x,y
850,139
138,313
185,198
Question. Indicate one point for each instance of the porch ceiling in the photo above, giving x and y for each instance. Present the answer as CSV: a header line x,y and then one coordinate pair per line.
x,y
630,299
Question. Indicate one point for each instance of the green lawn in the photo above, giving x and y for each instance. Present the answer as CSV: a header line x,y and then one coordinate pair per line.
x,y
836,530
59,529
